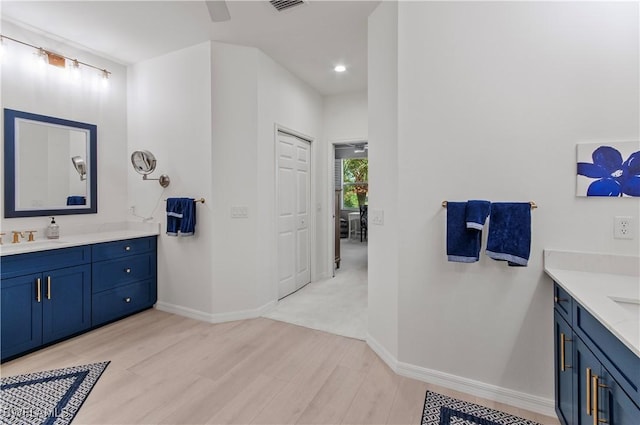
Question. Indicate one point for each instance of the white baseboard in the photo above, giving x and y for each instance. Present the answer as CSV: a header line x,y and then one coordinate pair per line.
x,y
383,353
215,317
514,398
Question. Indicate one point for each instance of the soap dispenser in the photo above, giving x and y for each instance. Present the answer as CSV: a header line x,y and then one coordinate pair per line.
x,y
53,230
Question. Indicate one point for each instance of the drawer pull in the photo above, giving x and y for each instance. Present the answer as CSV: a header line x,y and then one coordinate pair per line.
x,y
127,248
560,300
127,300
127,270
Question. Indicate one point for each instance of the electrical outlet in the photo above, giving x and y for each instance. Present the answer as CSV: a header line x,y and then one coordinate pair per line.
x,y
623,227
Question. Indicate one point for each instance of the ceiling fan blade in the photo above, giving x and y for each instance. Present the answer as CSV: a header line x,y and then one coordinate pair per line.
x,y
218,10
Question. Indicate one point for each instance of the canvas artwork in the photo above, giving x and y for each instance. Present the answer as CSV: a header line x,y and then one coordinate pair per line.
x,y
608,169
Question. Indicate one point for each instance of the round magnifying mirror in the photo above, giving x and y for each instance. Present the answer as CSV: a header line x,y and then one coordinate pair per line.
x,y
143,162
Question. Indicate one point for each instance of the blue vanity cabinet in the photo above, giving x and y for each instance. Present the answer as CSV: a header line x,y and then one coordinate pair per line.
x,y
124,278
46,296
601,376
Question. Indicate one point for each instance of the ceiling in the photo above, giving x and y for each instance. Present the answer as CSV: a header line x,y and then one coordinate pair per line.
x,y
308,40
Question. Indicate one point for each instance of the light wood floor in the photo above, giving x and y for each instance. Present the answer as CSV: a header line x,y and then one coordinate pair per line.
x,y
173,370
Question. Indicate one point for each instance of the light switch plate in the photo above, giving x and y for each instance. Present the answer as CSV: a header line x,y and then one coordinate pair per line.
x,y
377,217
239,211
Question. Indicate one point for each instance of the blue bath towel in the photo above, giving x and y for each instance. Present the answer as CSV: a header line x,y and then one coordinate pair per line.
x,y
76,200
510,232
463,245
477,213
181,216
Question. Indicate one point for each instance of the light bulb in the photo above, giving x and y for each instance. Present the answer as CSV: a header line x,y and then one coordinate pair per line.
x,y
340,68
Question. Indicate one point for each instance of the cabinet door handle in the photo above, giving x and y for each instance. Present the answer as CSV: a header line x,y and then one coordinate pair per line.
x,y
596,387
127,270
588,383
127,248
38,290
559,300
48,287
127,300
563,340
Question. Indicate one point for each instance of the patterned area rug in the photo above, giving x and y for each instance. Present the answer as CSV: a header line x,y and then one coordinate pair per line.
x,y
442,410
51,397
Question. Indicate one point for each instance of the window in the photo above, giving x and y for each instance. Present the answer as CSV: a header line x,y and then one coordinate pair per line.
x,y
355,182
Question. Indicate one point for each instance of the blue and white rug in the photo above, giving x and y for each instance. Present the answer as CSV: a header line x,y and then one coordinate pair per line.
x,y
442,410
51,397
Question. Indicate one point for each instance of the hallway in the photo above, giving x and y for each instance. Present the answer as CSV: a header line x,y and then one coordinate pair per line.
x,y
337,305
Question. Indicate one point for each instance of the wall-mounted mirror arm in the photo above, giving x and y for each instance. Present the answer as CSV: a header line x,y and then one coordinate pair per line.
x,y
164,180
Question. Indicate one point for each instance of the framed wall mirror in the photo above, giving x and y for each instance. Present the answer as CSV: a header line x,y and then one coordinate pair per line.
x,y
50,166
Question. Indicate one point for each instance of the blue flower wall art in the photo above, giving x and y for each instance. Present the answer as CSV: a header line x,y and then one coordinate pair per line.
x,y
608,169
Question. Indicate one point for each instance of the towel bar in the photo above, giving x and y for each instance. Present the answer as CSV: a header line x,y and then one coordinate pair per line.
x,y
532,203
195,200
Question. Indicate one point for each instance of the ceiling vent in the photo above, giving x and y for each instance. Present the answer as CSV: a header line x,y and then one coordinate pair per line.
x,y
281,5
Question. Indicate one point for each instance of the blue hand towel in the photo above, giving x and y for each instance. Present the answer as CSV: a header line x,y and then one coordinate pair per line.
x,y
174,215
477,213
510,232
76,200
188,221
181,216
463,245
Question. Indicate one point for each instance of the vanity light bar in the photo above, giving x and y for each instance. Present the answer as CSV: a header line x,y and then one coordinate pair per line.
x,y
56,59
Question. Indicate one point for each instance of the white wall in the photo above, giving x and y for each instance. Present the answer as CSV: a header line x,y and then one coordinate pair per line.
x,y
346,117
492,99
47,90
169,103
208,113
383,247
285,100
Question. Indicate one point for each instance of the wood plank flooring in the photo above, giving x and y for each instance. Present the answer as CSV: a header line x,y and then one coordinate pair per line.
x,y
168,369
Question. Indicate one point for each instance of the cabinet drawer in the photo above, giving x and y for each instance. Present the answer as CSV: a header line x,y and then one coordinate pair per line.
x,y
21,264
113,273
617,358
126,248
118,302
562,302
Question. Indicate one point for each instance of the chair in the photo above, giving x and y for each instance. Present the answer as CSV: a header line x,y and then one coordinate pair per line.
x,y
363,221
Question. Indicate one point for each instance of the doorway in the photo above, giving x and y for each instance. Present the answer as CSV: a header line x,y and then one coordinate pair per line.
x,y
293,205
350,203
335,304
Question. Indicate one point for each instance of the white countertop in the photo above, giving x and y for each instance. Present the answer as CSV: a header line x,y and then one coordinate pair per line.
x,y
607,286
103,233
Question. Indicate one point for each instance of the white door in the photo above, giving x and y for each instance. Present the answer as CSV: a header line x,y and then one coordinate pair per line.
x,y
293,194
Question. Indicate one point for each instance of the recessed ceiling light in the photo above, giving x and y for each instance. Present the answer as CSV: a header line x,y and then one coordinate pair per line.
x,y
340,68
